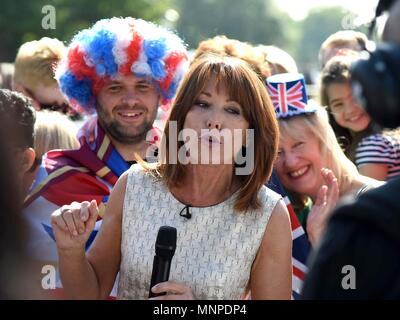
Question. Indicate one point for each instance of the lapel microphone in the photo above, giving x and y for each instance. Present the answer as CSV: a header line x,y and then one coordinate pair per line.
x,y
187,214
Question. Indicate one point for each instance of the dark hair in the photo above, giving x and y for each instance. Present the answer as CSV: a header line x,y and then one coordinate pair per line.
x,y
383,5
337,71
13,258
17,269
17,117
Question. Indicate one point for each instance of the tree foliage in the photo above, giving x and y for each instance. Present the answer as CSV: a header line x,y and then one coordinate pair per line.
x,y
254,21
320,23
21,20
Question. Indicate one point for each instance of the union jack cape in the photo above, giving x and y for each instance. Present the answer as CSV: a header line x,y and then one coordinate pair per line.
x,y
300,246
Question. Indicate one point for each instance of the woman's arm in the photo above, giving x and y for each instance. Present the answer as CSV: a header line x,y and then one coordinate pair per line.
x,y
378,171
271,275
373,155
90,276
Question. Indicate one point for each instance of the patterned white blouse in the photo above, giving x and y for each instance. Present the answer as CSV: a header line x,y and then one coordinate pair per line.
x,y
215,248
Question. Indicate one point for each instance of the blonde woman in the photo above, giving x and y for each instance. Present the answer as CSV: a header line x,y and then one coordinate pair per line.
x,y
53,130
310,160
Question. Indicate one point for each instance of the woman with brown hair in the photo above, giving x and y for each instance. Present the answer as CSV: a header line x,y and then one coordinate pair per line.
x,y
235,237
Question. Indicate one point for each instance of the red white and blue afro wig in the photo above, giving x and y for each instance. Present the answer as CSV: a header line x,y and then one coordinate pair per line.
x,y
121,46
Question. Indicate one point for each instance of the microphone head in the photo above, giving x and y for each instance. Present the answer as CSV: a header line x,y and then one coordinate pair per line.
x,y
166,242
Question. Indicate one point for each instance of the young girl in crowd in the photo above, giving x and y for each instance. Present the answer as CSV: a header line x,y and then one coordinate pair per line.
x,y
310,160
375,152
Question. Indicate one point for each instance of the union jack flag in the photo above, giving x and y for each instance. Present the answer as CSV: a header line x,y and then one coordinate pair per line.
x,y
289,98
300,245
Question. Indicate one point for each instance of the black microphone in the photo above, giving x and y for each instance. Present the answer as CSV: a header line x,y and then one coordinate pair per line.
x,y
165,249
187,215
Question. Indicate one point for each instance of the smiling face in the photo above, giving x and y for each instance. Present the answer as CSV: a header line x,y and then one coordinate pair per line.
x,y
300,159
215,116
127,107
344,109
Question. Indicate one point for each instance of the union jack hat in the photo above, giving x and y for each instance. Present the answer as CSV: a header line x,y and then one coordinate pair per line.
x,y
289,96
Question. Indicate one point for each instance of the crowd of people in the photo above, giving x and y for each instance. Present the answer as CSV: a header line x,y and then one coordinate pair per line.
x,y
271,191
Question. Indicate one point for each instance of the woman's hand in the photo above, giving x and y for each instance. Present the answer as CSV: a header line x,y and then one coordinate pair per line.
x,y
325,202
73,224
174,290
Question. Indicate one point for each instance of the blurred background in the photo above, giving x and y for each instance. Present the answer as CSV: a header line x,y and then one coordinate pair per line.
x,y
299,27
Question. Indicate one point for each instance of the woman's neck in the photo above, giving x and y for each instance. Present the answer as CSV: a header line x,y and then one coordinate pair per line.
x,y
206,185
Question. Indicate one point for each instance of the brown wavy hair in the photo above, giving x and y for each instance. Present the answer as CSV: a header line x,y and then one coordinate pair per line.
x,y
243,86
223,46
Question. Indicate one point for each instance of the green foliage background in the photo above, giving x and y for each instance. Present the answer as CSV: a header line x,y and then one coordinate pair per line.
x,y
254,21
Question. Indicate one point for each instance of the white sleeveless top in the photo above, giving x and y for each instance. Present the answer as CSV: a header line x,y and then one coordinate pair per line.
x,y
215,248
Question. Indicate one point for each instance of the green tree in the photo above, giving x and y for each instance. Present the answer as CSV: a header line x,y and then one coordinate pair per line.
x,y
21,20
319,24
255,21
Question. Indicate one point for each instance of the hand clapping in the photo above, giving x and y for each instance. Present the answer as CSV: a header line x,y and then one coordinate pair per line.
x,y
325,202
